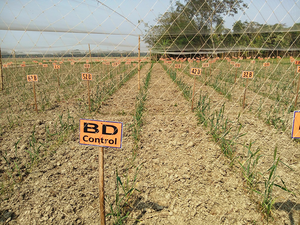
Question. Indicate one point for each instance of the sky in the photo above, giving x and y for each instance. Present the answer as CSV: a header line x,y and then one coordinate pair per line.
x,y
46,26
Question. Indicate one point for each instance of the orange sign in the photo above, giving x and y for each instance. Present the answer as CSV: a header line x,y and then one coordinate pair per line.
x,y
56,66
247,74
100,133
40,63
297,62
87,66
23,65
72,63
298,69
205,65
237,65
232,63
296,125
114,64
177,66
266,64
32,78
86,76
45,65
127,63
195,71
4,65
253,61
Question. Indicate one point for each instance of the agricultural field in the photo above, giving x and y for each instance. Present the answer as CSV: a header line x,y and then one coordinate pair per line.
x,y
209,149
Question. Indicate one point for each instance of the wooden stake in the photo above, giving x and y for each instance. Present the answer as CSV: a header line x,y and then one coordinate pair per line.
x,y
90,53
1,73
139,60
294,76
244,100
57,77
193,93
33,83
235,75
297,92
88,86
101,186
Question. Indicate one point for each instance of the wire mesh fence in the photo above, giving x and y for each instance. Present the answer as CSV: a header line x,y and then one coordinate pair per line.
x,y
207,91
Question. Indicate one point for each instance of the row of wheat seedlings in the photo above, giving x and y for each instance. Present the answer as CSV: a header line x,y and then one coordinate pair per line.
x,y
122,203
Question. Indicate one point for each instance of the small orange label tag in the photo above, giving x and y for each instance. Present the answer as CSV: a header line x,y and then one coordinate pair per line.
x,y
86,76
177,66
32,78
247,74
195,71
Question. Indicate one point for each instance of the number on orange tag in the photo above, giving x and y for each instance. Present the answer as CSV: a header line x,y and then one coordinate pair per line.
x,y
32,78
195,71
177,66
56,66
205,65
237,65
86,76
86,66
247,74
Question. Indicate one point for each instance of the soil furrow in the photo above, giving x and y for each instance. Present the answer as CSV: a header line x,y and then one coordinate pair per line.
x,y
184,180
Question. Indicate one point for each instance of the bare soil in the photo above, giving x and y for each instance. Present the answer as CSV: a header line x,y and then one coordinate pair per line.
x,y
183,179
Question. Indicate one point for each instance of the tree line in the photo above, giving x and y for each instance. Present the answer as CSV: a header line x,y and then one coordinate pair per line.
x,y
198,25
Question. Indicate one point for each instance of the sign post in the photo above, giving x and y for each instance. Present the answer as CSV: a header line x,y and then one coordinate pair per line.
x,y
139,62
246,74
33,79
57,67
87,77
195,72
1,72
102,134
298,71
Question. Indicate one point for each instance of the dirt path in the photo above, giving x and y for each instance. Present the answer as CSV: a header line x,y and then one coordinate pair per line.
x,y
183,180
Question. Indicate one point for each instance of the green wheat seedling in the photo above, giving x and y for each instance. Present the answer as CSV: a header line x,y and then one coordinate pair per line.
x,y
249,167
120,208
139,110
34,148
185,88
268,199
203,108
221,130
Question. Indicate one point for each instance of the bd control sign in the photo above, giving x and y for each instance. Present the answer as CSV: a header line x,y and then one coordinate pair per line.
x,y
100,133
